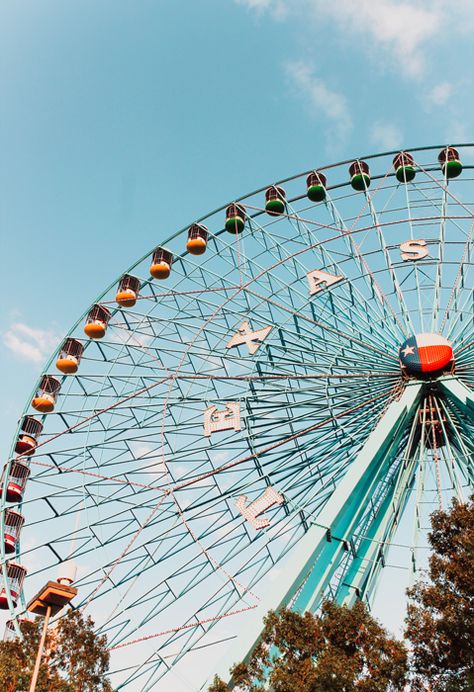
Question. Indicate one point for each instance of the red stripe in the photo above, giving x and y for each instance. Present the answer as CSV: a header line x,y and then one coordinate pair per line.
x,y
434,357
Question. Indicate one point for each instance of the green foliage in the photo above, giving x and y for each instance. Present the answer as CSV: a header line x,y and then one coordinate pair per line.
x,y
17,660
218,685
342,649
82,655
75,659
440,617
12,667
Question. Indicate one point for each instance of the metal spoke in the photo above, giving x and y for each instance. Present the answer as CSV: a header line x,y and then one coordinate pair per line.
x,y
212,430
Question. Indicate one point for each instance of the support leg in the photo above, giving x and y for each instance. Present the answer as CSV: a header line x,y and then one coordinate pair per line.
x,y
318,553
39,655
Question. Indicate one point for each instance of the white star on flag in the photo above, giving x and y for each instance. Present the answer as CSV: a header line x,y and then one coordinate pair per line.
x,y
408,351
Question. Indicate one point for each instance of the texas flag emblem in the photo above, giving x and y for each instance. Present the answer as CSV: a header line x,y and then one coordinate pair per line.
x,y
425,353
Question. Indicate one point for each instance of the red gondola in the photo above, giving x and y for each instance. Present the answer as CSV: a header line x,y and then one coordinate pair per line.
x,y
13,524
30,429
15,578
17,480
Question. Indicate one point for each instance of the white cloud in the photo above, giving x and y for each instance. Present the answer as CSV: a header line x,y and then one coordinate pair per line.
x,y
258,5
401,28
440,94
152,458
278,8
386,135
119,335
30,343
221,457
141,449
321,99
224,531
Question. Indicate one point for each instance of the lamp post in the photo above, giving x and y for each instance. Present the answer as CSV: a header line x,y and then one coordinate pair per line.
x,y
49,601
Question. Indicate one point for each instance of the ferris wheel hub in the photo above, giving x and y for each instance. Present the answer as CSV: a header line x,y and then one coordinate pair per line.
x,y
427,352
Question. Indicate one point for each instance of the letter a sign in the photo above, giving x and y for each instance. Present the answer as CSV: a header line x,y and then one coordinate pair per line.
x,y
318,280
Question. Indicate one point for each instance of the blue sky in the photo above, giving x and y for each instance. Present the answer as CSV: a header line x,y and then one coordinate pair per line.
x,y
121,122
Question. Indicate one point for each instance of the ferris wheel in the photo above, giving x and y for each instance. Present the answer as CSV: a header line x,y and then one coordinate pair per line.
x,y
246,416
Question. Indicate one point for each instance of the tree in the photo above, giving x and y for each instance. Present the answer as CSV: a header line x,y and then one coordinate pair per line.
x,y
12,666
81,654
440,616
342,649
17,660
75,658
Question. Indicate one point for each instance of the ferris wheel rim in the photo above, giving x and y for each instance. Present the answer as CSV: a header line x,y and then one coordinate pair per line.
x,y
250,281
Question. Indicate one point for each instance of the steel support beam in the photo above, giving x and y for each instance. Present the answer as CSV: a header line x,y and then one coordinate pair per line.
x,y
458,393
365,567
344,517
316,556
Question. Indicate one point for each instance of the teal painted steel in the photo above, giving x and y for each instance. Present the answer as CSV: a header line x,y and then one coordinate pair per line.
x,y
124,483
365,566
459,393
319,551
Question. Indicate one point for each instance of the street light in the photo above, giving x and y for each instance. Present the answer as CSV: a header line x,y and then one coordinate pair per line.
x,y
49,601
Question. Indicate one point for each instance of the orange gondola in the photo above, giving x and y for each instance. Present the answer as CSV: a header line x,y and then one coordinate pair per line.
x,y
97,321
46,394
70,356
161,263
197,239
127,291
